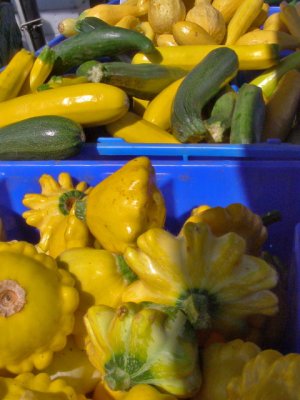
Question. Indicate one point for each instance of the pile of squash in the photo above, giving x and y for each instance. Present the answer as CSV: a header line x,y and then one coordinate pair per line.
x,y
108,304
189,22
117,77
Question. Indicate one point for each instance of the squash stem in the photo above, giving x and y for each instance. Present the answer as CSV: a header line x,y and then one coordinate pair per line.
x,y
271,217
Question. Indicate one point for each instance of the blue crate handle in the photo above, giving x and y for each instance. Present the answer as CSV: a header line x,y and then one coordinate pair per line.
x,y
273,149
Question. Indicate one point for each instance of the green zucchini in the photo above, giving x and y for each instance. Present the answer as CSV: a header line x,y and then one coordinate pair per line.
x,y
144,81
197,89
47,137
248,115
103,40
218,125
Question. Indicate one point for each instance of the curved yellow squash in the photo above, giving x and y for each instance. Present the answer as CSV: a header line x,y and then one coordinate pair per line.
x,y
89,104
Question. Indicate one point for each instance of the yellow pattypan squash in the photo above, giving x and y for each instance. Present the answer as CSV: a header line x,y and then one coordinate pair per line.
x,y
124,205
234,218
103,392
138,392
220,363
134,345
209,278
146,392
73,366
56,214
27,386
100,278
37,305
270,375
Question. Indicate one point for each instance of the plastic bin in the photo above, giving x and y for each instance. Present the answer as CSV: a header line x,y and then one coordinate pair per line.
x,y
260,185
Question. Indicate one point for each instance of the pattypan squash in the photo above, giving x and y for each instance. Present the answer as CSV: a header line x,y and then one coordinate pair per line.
x,y
234,218
56,215
100,278
209,278
146,392
134,345
37,305
103,392
270,375
28,386
73,366
138,392
220,363
124,205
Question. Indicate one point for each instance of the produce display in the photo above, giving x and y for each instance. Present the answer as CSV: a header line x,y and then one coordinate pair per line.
x,y
108,304
161,71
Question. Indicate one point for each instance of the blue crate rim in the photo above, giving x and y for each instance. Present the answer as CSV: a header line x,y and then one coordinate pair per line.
x,y
271,150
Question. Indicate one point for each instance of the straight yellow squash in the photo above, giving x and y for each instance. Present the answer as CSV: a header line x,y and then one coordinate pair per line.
x,y
254,57
89,104
15,74
227,8
242,19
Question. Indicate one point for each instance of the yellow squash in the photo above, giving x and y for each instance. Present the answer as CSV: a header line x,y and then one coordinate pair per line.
x,y
254,57
158,111
274,23
190,33
226,7
220,363
139,105
41,68
113,13
135,129
89,104
270,375
37,305
213,281
15,74
261,36
242,19
124,205
291,18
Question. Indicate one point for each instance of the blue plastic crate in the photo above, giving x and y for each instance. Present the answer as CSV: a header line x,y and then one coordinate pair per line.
x,y
260,185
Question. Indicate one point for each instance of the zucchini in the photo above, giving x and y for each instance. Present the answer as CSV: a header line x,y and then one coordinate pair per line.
x,y
41,138
248,115
197,89
144,81
218,125
103,40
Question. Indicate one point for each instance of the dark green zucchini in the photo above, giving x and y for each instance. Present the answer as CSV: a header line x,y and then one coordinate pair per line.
x,y
218,125
47,137
105,40
144,81
197,89
248,116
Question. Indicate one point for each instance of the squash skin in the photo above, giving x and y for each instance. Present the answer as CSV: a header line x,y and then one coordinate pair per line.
x,y
41,138
89,104
198,87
